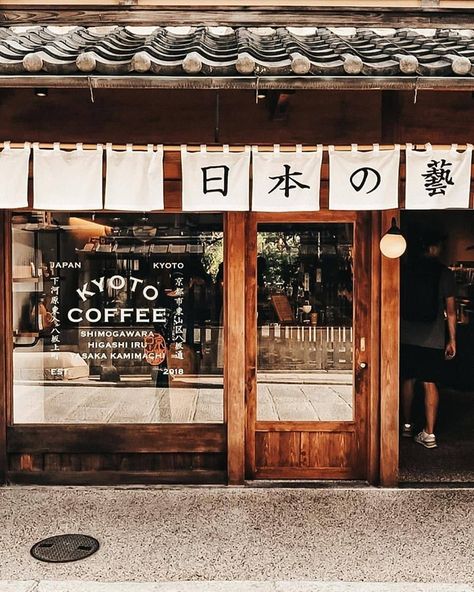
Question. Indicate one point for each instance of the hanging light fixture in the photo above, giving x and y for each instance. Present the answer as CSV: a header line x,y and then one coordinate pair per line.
x,y
393,243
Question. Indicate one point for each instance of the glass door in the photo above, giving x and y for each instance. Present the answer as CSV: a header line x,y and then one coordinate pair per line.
x,y
310,382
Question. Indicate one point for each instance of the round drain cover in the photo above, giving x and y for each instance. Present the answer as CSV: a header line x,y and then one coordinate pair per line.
x,y
65,547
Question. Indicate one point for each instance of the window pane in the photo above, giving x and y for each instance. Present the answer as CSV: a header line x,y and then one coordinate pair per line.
x,y
305,288
117,319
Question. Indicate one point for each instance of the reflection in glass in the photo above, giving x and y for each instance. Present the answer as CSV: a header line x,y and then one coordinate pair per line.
x,y
117,319
304,304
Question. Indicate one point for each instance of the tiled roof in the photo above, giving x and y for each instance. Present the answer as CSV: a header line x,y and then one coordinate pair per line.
x,y
225,51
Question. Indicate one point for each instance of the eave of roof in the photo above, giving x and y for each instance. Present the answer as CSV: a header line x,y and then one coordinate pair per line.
x,y
318,56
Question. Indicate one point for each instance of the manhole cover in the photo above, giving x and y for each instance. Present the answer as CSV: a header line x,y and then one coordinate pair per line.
x,y
65,547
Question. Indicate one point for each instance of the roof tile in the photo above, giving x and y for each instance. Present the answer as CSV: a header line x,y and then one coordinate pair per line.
x,y
228,51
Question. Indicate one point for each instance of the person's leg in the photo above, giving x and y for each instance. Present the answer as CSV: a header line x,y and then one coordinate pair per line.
x,y
431,406
408,392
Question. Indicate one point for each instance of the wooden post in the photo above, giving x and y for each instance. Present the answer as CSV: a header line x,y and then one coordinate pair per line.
x,y
5,340
389,363
374,399
234,338
251,343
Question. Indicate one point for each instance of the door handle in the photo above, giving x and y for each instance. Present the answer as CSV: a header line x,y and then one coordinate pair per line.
x,y
362,365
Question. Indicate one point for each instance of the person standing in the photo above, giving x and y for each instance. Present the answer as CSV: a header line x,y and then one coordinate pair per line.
x,y
428,290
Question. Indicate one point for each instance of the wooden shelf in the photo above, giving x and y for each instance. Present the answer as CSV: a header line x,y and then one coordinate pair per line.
x,y
27,280
25,334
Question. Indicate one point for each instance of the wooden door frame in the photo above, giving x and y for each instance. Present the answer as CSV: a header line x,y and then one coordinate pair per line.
x,y
367,416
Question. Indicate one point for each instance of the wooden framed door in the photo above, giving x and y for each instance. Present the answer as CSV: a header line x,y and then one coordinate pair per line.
x,y
307,345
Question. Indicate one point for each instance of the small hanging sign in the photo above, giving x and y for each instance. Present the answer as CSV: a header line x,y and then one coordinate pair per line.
x,y
363,180
437,179
14,176
286,181
215,181
67,180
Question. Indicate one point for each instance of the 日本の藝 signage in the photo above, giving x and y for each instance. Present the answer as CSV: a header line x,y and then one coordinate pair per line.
x,y
218,180
215,181
286,181
363,180
437,179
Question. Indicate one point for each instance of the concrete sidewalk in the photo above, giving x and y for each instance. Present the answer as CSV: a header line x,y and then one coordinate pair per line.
x,y
268,535
293,586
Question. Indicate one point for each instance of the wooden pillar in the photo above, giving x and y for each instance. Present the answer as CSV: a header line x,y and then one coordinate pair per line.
x,y
389,362
5,341
234,336
251,343
374,400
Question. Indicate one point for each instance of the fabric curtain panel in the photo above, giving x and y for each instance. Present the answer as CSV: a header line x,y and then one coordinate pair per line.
x,y
14,176
134,179
215,181
67,180
286,181
437,179
363,180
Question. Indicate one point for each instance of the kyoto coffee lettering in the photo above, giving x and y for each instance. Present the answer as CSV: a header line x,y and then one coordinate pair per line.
x,y
284,182
219,183
438,177
365,176
118,315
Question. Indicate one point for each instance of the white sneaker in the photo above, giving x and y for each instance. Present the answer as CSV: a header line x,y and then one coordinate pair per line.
x,y
426,440
407,430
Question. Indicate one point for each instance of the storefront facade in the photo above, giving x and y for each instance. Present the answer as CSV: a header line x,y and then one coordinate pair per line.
x,y
206,347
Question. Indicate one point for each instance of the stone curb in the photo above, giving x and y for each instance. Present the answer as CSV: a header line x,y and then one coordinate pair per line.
x,y
227,586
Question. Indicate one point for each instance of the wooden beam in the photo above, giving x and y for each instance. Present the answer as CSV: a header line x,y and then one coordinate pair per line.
x,y
389,363
234,337
86,15
105,439
312,473
195,476
279,106
361,83
305,426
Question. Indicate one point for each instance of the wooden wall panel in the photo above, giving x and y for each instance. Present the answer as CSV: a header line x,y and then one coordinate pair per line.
x,y
182,116
169,116
111,454
60,468
439,118
304,450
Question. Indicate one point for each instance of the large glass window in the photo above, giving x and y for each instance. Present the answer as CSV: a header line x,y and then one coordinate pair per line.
x,y
305,310
117,319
